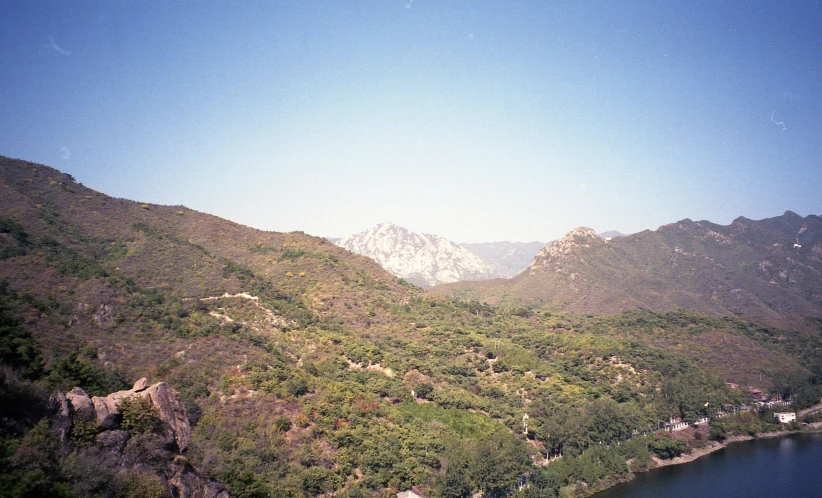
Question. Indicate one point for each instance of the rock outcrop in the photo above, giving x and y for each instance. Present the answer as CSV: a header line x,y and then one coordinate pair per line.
x,y
172,412
92,427
81,404
169,407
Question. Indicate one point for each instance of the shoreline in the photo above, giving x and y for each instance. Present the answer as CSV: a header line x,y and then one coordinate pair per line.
x,y
712,447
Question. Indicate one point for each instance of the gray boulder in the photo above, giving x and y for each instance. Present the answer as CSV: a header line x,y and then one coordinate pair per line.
x,y
172,412
81,404
108,416
60,411
113,441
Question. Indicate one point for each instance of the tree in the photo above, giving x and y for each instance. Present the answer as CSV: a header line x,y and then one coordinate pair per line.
x,y
456,482
665,446
423,390
499,461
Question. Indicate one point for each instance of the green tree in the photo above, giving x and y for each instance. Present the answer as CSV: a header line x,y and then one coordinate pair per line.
x,y
665,446
499,461
18,348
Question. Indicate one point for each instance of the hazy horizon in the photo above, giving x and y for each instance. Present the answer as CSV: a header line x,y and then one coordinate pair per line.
x,y
478,122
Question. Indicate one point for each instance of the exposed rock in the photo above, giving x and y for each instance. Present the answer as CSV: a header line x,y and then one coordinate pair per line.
x,y
422,259
58,405
103,315
108,416
172,412
580,237
81,404
188,484
211,492
170,409
116,450
145,451
112,440
140,385
60,410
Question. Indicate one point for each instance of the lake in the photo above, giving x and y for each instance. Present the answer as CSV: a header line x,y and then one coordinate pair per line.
x,y
788,466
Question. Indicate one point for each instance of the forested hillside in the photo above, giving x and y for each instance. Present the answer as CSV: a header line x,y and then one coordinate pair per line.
x,y
296,360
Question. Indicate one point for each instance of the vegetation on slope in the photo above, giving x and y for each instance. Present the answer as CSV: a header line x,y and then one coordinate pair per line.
x,y
767,271
297,360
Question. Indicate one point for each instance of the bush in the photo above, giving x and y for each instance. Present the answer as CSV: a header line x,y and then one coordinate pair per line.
x,y
138,485
18,348
282,424
84,432
317,480
78,370
423,390
296,387
139,417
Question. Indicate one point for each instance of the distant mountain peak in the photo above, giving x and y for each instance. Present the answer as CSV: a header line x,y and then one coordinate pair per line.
x,y
580,232
387,225
568,243
422,259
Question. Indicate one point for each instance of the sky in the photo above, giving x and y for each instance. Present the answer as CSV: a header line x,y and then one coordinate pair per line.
x,y
477,121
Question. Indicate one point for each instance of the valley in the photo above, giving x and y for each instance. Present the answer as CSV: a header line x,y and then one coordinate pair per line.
x,y
306,369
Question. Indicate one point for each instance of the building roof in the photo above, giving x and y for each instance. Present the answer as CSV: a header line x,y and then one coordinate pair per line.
x,y
409,494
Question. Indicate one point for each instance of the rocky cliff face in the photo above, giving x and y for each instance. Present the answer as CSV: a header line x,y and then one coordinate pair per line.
x,y
423,259
93,428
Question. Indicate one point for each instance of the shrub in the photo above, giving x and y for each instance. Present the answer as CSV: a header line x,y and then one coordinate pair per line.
x,y
423,390
138,485
301,420
282,424
318,480
139,417
296,387
84,432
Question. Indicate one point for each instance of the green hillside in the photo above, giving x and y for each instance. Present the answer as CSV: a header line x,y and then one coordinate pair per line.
x,y
296,359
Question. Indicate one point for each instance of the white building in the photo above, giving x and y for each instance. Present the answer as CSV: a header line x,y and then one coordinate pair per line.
x,y
785,417
409,494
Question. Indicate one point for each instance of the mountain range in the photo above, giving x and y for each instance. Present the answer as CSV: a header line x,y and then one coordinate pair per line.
x,y
304,369
769,271
427,260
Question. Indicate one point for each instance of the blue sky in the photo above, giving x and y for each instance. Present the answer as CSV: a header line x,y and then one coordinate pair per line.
x,y
477,121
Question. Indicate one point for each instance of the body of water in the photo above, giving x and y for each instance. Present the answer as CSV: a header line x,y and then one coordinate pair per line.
x,y
788,466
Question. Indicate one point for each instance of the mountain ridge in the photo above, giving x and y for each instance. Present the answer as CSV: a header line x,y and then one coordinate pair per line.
x,y
305,369
422,259
768,270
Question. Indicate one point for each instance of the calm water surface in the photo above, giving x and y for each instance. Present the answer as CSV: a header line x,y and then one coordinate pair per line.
x,y
789,467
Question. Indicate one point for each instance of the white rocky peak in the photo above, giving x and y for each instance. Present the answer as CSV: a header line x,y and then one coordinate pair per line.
x,y
578,237
422,259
